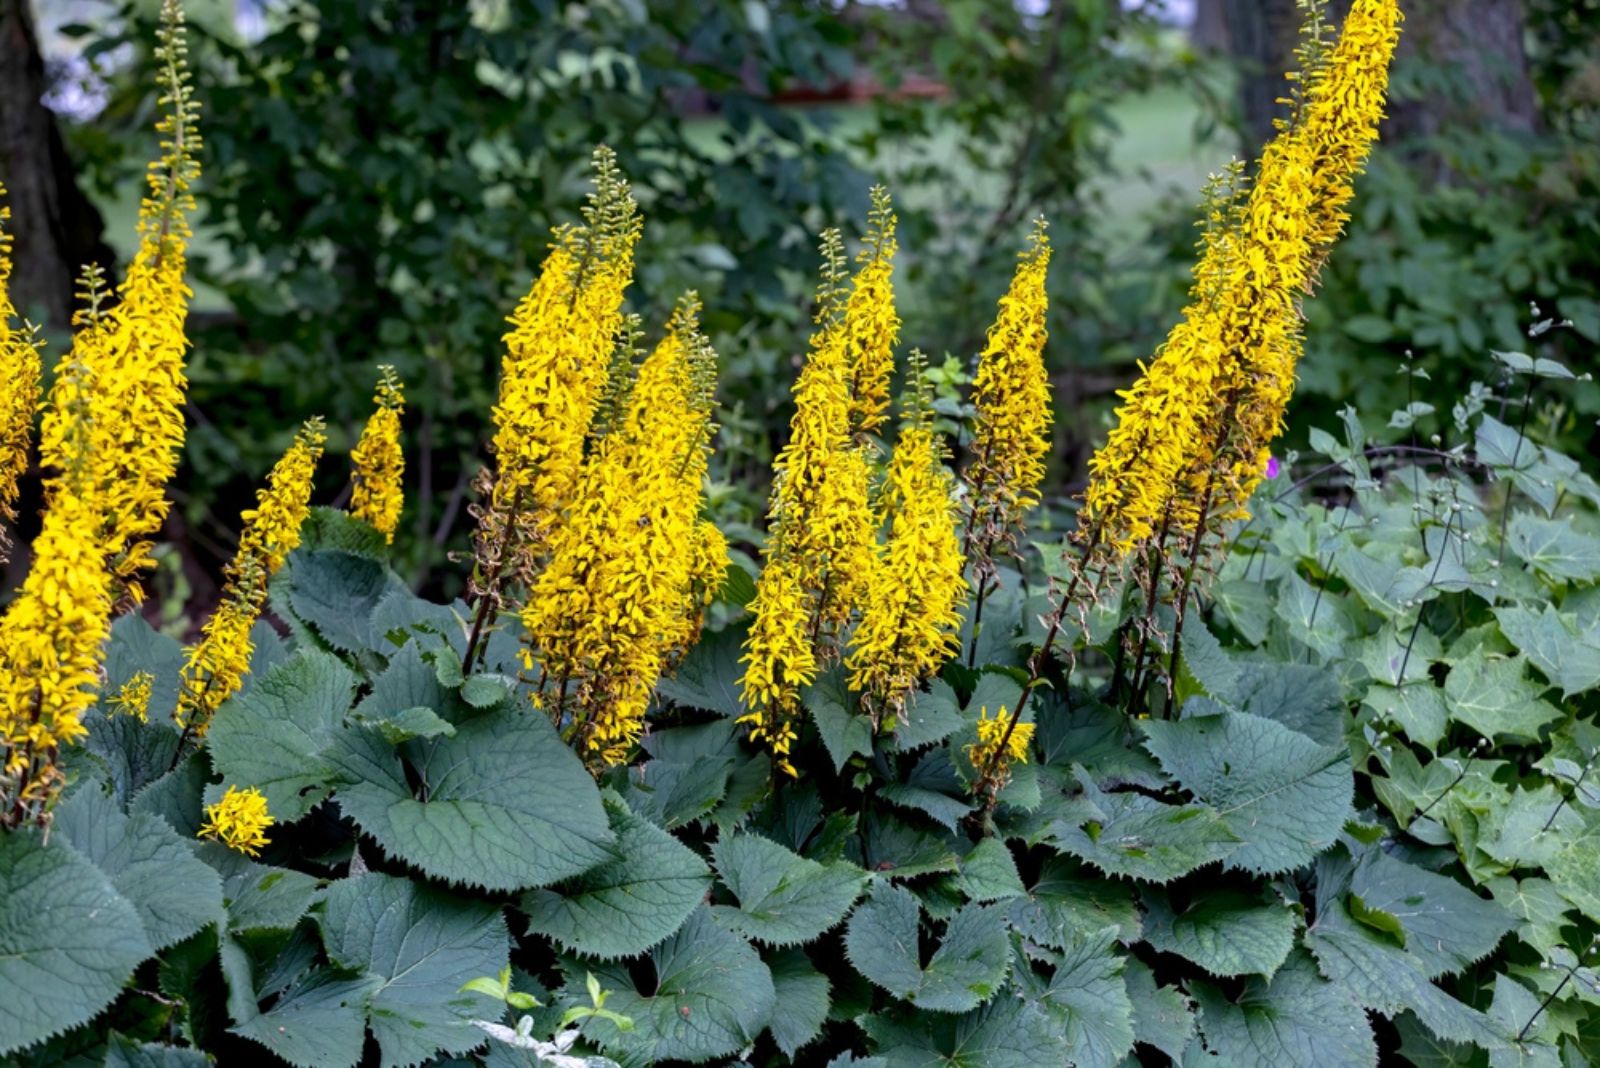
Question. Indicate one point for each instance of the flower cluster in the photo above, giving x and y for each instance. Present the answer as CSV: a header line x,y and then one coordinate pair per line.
x,y
239,820
215,666
133,696
19,390
376,496
1000,745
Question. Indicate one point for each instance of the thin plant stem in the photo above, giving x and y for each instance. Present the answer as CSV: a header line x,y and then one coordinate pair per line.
x,y
1516,452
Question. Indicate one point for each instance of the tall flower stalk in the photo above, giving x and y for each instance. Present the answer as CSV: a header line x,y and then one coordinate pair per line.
x,y
19,387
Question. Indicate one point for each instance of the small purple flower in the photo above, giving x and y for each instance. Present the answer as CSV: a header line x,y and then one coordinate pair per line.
x,y
1273,467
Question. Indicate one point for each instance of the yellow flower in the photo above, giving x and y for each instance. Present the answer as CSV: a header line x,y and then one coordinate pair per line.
x,y
53,634
136,349
554,371
912,613
871,324
377,497
133,697
990,732
616,601
19,389
778,659
239,821
1011,392
214,667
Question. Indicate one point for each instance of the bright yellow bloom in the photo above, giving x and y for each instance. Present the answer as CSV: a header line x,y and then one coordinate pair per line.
x,y
1011,392
778,659
215,667
377,496
19,388
133,697
871,323
912,613
990,732
239,821
136,350
53,634
557,358
614,605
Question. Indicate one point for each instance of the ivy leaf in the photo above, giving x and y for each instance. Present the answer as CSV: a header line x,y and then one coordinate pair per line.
x,y
966,970
1286,796
1138,837
418,947
258,897
802,1000
1224,931
173,891
1067,903
784,899
1296,1020
274,737
1495,697
1088,1000
1538,904
1419,709
504,803
710,997
1162,1015
1554,548
1569,658
709,676
68,940
636,898
1574,868
1005,1033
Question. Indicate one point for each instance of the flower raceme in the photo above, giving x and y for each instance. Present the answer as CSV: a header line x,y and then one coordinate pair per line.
x,y
215,666
19,388
872,326
377,497
995,752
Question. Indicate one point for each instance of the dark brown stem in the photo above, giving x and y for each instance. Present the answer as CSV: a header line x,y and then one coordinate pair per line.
x,y
977,620
1183,592
1522,429
1158,555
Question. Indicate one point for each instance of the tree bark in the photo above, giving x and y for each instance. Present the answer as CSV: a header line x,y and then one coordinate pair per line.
x,y
57,229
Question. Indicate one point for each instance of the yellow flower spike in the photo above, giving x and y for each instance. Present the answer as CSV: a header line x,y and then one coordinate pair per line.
x,y
133,697
53,634
554,371
912,613
1011,392
377,496
871,323
239,821
215,666
19,389
623,591
990,733
778,658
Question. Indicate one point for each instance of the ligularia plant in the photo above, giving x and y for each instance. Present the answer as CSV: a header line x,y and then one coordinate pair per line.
x,y
1260,766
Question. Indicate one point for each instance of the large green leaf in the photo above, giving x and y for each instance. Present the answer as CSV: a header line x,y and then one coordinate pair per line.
x,y
503,804
123,1052
709,996
1067,902
709,676
1087,999
258,897
174,892
784,899
1223,931
335,592
132,754
965,971
1297,1020
418,946
636,898
1138,837
68,940
688,774
1163,1017
1285,795
318,1022
802,1000
136,646
1005,1033
989,872
1448,927
275,736
1568,656
1495,697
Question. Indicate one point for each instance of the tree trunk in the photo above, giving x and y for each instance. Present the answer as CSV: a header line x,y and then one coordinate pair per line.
x,y
57,229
